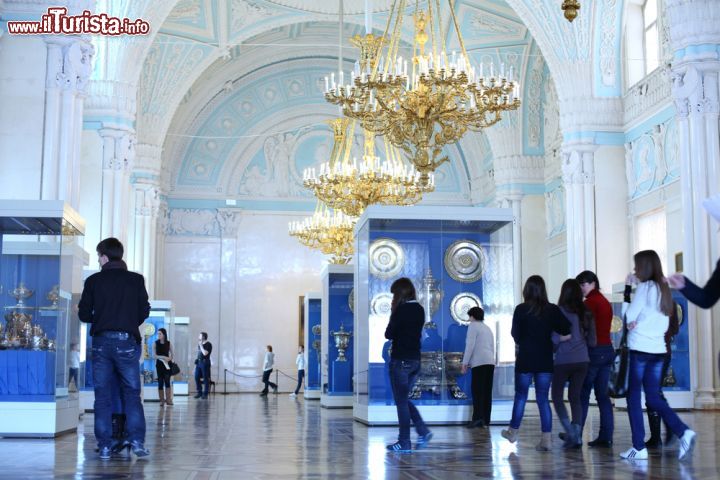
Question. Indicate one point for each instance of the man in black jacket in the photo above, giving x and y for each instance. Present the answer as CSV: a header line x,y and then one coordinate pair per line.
x,y
115,302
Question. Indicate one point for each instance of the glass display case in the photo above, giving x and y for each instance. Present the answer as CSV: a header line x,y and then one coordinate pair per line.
x,y
313,345
162,315
457,258
40,269
679,395
336,336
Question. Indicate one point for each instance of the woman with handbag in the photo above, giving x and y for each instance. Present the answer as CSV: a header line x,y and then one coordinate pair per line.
x,y
647,318
163,353
533,324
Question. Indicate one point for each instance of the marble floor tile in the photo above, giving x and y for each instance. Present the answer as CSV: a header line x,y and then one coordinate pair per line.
x,y
249,437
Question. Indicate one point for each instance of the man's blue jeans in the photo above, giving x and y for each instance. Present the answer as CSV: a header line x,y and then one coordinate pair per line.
x,y
116,360
542,388
598,378
202,371
403,374
645,372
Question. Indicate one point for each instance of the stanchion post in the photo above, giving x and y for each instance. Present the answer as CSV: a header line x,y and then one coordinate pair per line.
x,y
277,385
225,382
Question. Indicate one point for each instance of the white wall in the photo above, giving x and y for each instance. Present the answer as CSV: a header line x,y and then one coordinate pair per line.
x,y
244,292
534,233
22,90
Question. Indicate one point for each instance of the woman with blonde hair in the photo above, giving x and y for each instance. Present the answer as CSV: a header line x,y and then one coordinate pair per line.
x,y
648,318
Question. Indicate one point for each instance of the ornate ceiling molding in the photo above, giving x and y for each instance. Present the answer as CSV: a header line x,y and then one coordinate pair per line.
x,y
588,114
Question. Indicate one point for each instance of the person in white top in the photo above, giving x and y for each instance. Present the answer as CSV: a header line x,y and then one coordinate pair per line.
x,y
74,365
647,318
480,357
268,364
300,362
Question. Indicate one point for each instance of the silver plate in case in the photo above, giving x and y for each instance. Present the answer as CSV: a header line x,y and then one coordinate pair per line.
x,y
465,261
461,304
381,304
387,258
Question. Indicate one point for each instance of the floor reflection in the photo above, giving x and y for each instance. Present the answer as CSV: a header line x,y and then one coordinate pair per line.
x,y
277,437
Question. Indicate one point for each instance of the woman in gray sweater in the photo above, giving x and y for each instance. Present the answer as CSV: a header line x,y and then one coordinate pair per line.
x,y
572,360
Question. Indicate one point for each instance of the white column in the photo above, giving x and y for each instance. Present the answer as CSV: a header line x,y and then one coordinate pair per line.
x,y
69,62
118,156
695,40
578,172
514,202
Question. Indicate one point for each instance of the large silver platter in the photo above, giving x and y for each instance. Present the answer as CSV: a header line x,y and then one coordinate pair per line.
x,y
465,261
461,304
381,304
351,300
387,258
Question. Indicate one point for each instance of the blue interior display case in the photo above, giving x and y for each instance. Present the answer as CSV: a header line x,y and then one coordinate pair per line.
x,y
313,345
337,330
457,258
41,264
680,395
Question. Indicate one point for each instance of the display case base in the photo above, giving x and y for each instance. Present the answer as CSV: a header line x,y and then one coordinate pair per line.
x,y
39,419
432,414
312,394
336,401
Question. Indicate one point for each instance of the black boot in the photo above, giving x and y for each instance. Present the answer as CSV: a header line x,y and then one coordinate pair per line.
x,y
654,420
119,434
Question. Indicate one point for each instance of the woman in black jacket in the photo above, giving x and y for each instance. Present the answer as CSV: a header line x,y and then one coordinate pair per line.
x,y
404,330
534,322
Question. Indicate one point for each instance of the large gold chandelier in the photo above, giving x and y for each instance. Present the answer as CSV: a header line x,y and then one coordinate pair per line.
x,y
331,232
425,106
344,184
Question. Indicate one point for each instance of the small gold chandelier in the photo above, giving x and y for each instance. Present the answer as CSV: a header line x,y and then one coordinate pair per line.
x,y
570,7
331,232
344,184
432,104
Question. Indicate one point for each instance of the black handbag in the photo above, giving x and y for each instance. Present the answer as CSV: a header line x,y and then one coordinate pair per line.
x,y
618,385
174,368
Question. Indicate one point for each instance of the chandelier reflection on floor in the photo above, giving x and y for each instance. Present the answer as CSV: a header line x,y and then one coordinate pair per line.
x,y
345,184
428,104
330,231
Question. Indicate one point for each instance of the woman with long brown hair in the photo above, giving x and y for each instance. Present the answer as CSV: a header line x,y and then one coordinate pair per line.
x,y
404,330
647,318
533,324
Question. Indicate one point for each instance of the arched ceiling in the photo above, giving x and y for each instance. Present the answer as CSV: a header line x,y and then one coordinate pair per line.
x,y
204,44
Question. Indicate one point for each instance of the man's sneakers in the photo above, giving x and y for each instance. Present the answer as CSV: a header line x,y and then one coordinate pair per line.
x,y
633,454
293,394
400,447
687,442
105,453
139,450
423,440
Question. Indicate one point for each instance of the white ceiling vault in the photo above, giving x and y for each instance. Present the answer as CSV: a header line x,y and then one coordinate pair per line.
x,y
224,80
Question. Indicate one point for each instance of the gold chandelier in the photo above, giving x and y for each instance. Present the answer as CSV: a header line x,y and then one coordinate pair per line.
x,y
570,9
432,104
344,184
331,232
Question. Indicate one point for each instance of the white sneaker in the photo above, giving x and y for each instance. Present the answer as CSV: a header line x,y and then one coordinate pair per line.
x,y
293,394
633,454
687,442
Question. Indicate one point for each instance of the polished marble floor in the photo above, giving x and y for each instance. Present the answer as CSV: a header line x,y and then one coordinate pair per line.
x,y
278,437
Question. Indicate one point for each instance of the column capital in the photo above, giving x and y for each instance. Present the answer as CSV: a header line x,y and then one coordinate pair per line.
x,y
578,163
118,148
581,117
229,220
69,63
